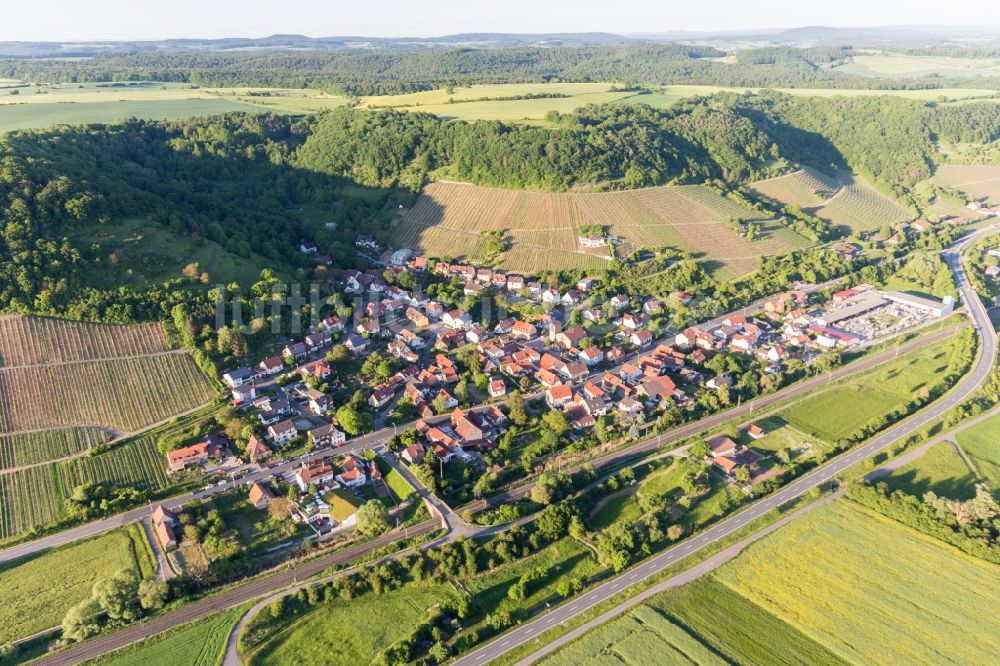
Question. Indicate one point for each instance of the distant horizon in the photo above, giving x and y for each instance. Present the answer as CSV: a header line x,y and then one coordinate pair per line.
x,y
69,21
982,29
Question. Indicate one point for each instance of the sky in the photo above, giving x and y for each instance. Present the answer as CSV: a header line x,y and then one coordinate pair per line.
x,y
81,20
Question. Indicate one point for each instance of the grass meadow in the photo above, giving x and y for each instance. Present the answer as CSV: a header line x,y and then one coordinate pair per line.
x,y
902,65
35,599
200,643
349,633
73,104
641,636
838,412
872,590
566,557
980,181
982,444
399,487
940,470
148,253
70,104
624,504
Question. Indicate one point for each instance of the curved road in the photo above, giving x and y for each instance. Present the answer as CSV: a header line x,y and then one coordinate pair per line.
x,y
985,364
227,599
363,442
269,584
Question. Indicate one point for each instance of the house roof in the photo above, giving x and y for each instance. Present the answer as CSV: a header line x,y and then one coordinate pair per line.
x,y
561,392
256,448
259,491
282,427
316,470
164,534
721,443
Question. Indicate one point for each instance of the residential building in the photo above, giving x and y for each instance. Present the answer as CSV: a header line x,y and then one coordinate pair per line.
x,y
326,436
272,366
313,473
196,454
257,451
260,495
282,432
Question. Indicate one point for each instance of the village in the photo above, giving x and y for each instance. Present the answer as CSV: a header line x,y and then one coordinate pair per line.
x,y
440,375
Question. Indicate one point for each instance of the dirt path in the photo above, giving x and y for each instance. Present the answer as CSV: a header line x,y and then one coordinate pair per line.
x,y
117,436
695,572
169,352
949,437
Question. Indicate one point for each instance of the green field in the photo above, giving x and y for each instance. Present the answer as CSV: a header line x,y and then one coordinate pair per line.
x,y
641,636
36,116
38,590
839,585
350,633
566,557
620,506
704,509
469,104
837,413
982,444
782,435
872,590
34,496
940,470
624,504
37,447
43,106
200,643
71,104
398,486
902,65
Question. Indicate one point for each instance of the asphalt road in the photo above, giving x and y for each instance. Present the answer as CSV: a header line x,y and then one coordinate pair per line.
x,y
363,442
714,420
985,364
271,583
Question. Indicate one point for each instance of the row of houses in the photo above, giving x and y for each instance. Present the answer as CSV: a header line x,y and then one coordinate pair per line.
x,y
466,435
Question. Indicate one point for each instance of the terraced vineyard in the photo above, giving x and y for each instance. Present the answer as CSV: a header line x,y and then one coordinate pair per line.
x,y
859,206
980,181
123,394
35,495
31,448
543,228
34,340
804,188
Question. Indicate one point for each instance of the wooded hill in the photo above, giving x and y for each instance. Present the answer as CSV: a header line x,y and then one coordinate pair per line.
x,y
233,180
375,72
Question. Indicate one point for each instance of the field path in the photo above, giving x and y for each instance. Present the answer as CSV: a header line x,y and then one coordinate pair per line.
x,y
128,357
948,437
116,434
697,571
